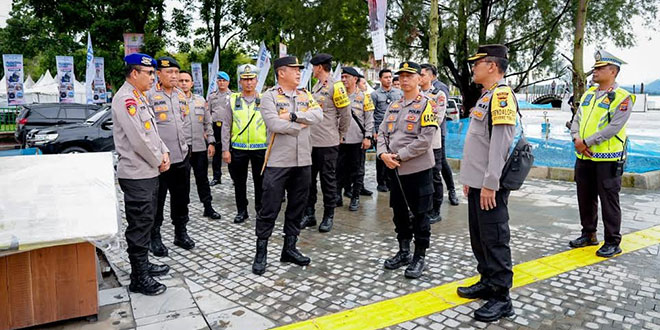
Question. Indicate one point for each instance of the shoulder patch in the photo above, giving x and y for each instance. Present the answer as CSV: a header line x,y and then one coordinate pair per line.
x,y
311,101
131,106
368,103
624,105
340,96
503,107
429,117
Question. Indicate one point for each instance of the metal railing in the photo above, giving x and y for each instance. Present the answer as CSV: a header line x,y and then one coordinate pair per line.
x,y
8,118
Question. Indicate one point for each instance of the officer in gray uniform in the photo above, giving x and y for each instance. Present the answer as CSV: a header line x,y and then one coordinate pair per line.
x,y
357,139
404,145
332,98
142,155
287,112
170,107
383,97
198,130
487,142
216,101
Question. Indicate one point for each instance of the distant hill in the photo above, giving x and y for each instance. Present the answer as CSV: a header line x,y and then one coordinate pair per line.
x,y
651,88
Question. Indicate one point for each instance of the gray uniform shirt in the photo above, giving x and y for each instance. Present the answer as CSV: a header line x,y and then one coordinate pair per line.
x,y
197,127
292,144
408,128
484,155
217,101
170,111
362,109
382,99
619,120
333,100
135,135
440,100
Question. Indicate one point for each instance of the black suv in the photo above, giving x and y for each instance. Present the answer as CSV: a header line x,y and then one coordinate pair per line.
x,y
42,115
94,134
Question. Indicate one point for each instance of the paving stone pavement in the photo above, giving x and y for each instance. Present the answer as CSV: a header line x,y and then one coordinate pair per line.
x,y
212,285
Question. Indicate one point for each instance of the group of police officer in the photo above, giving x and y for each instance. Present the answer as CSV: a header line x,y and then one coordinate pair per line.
x,y
289,136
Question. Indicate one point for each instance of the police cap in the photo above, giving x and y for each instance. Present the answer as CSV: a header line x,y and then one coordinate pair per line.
x,y
409,67
349,70
140,59
604,58
222,76
167,62
490,50
247,71
321,58
291,61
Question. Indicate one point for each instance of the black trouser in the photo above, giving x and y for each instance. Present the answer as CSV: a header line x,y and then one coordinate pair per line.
x,y
348,164
199,161
363,159
140,200
381,173
277,180
418,193
324,164
176,180
216,163
238,169
437,179
446,169
597,180
489,237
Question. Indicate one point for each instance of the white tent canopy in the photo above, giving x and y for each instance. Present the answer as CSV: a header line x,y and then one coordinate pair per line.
x,y
28,82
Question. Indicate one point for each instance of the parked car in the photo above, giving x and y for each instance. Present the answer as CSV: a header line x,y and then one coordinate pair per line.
x,y
459,105
40,115
452,110
94,134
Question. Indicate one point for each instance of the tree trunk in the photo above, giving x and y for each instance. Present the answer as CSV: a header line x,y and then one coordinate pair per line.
x,y
433,34
217,12
579,76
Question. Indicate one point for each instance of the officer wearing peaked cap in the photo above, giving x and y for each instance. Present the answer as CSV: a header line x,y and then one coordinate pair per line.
x,y
489,137
599,135
142,156
404,144
216,101
170,107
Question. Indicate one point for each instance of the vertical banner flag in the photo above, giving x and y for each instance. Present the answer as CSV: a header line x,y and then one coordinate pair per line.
x,y
282,50
377,11
336,75
306,74
263,64
198,78
133,42
13,65
100,92
90,71
65,78
213,73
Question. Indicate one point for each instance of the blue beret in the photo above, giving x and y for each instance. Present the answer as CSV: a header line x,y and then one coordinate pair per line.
x,y
140,59
223,75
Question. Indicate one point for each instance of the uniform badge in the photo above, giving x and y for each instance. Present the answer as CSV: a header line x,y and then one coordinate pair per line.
x,y
624,105
158,97
147,125
200,118
417,106
395,106
162,116
411,118
131,106
485,99
390,127
410,127
503,103
391,118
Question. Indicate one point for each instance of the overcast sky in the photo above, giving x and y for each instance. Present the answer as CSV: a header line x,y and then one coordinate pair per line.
x,y
640,67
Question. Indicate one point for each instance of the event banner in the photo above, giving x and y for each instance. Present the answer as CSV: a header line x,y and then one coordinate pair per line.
x,y
213,71
13,65
90,71
377,17
133,42
263,64
65,78
198,78
306,74
99,81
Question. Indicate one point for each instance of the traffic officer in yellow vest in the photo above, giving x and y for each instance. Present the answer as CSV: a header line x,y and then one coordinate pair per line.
x,y
216,102
288,112
599,135
358,138
170,107
440,99
404,144
244,139
142,156
487,142
332,98
198,130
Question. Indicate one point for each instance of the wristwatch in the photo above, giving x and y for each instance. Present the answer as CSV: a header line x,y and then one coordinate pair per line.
x,y
397,158
293,117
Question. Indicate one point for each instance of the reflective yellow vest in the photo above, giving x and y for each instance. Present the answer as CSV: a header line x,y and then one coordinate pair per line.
x,y
254,136
596,115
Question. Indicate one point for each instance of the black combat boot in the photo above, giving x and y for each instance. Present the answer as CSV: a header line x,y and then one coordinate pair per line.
x,y
584,240
453,199
478,290
355,203
291,254
416,266
158,270
309,218
366,192
608,250
435,216
141,280
181,238
209,212
328,219
340,200
241,216
259,264
156,245
401,258
497,307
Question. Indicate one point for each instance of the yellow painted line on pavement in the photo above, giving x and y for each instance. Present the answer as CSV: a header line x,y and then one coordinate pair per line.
x,y
415,305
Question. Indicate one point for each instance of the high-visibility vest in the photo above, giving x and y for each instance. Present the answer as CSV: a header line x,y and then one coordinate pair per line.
x,y
253,137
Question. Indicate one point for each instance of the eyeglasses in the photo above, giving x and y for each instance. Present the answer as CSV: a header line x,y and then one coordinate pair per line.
x,y
474,64
149,72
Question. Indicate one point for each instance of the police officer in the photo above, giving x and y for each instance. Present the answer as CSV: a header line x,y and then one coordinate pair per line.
x,y
440,99
170,107
332,98
287,112
244,139
404,145
142,155
383,97
599,135
198,130
217,101
358,138
487,142
396,84
362,86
